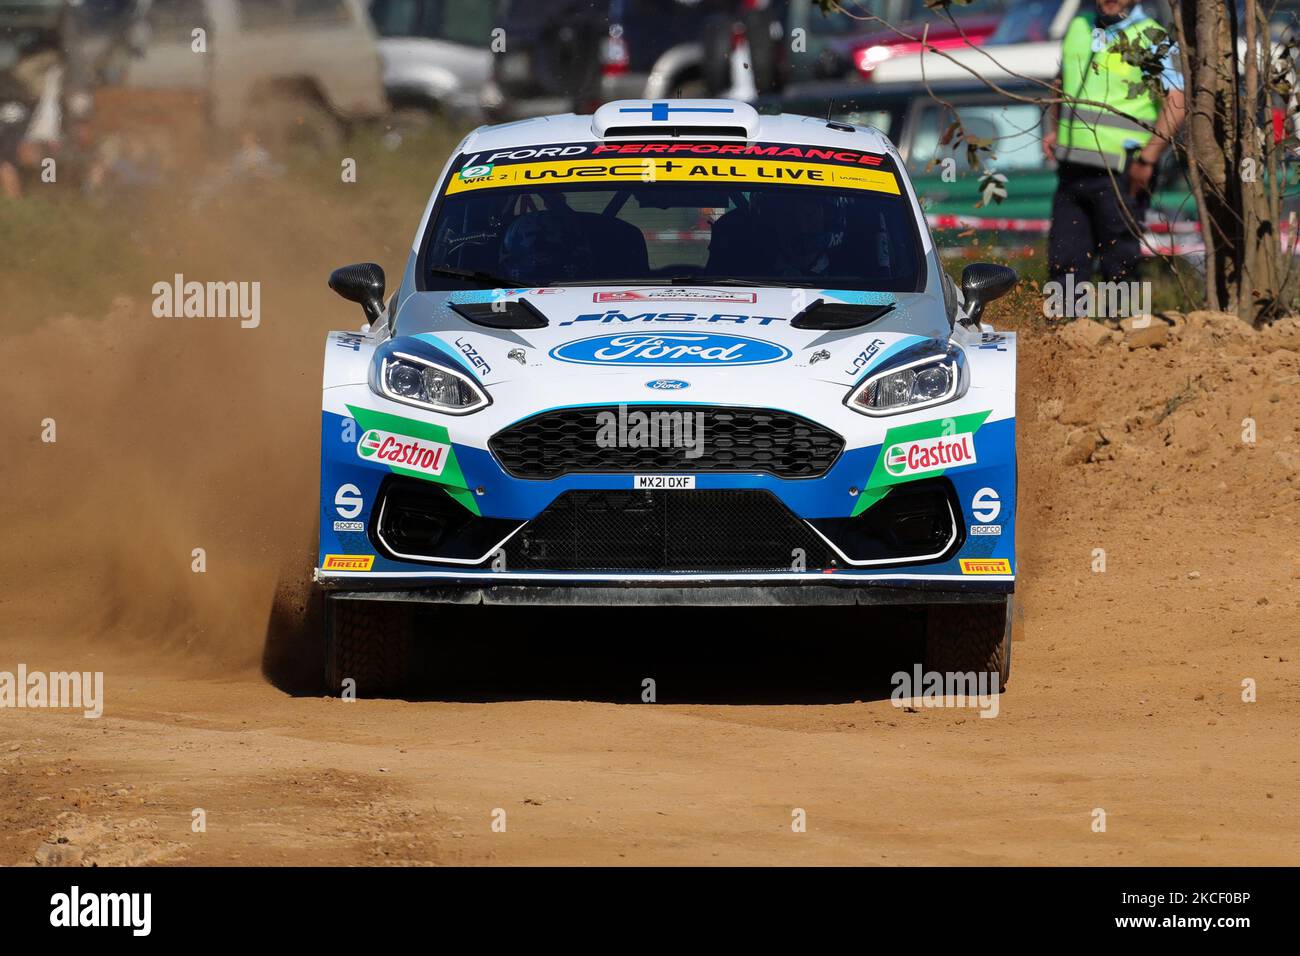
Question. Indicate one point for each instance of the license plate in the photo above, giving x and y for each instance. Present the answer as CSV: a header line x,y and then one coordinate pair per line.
x,y
663,482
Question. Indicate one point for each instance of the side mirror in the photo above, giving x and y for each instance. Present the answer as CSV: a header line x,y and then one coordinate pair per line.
x,y
981,283
362,283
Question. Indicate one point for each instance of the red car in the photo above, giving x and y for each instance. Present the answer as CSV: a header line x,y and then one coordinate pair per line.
x,y
868,51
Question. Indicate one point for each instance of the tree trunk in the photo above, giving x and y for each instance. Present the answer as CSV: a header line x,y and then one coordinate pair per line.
x,y
1230,157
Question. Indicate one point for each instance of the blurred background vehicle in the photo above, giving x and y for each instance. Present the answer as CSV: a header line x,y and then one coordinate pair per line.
x,y
285,70
864,52
949,188
1025,43
435,56
564,55
128,90
784,42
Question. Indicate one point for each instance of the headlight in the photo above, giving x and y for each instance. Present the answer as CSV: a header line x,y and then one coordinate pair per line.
x,y
418,381
915,384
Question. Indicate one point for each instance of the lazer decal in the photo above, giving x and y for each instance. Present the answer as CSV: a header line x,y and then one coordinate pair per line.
x,y
864,363
687,348
475,359
863,358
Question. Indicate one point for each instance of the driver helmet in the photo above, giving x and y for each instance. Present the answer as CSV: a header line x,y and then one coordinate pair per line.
x,y
546,246
801,228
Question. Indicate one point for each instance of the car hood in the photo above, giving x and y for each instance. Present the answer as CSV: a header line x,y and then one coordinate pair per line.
x,y
725,344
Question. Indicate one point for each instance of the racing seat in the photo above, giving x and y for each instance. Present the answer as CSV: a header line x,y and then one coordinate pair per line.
x,y
618,247
733,246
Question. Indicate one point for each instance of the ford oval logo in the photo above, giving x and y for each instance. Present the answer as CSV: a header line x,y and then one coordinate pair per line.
x,y
668,384
671,349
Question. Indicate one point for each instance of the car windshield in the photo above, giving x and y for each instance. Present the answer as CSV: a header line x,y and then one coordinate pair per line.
x,y
847,225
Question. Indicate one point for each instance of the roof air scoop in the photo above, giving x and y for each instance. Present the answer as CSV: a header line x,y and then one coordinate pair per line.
x,y
672,118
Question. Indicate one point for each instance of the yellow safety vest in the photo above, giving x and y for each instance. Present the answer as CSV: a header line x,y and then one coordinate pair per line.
x,y
1087,134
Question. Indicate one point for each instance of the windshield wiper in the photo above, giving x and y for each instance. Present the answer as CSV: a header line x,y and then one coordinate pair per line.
x,y
698,280
487,278
761,281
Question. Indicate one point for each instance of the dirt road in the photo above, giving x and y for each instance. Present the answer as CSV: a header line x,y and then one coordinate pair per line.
x,y
1126,698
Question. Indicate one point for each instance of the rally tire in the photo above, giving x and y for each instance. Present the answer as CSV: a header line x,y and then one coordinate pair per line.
x,y
370,642
961,638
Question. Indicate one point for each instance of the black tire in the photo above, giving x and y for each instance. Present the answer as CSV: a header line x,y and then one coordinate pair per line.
x,y
370,642
960,638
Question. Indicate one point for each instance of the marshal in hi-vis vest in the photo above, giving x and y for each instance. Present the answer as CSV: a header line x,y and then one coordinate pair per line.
x,y
1087,134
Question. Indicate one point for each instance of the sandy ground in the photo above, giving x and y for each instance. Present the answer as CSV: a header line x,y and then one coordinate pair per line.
x,y
1126,696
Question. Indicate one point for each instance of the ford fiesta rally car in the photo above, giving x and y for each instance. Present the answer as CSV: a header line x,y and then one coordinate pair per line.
x,y
675,352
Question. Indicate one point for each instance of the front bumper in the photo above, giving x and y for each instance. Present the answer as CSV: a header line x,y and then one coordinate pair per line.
x,y
509,545
673,593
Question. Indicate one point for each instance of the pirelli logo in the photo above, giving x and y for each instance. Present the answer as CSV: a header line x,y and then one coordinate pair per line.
x,y
985,566
648,170
348,562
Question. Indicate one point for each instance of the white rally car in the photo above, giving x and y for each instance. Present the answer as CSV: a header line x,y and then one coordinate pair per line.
x,y
673,352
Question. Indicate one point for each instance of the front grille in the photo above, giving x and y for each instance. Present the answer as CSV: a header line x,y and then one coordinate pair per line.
x,y
643,531
606,439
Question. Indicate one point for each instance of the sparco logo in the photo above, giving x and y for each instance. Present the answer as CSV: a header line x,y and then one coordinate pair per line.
x,y
687,348
931,454
402,451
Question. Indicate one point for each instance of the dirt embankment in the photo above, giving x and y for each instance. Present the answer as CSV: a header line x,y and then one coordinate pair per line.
x,y
1174,465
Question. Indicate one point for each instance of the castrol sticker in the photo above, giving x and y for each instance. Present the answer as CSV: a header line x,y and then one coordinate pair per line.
x,y
402,451
930,454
